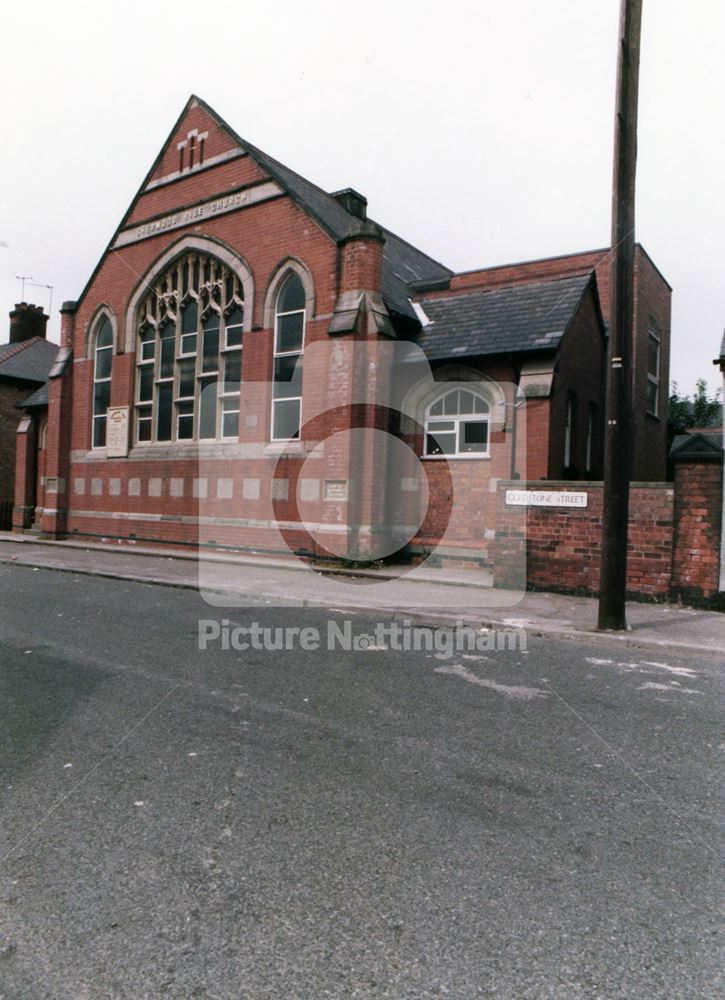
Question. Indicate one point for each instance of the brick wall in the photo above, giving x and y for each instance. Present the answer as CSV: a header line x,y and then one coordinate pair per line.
x,y
563,544
652,302
698,519
674,538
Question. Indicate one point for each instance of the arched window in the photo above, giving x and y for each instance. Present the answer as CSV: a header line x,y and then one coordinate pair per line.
x,y
189,353
102,357
457,423
289,335
42,441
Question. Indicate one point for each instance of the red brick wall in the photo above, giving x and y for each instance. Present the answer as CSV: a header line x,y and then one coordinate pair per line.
x,y
196,187
580,371
24,507
362,264
218,140
461,512
563,544
698,520
652,300
11,393
40,477
538,438
674,538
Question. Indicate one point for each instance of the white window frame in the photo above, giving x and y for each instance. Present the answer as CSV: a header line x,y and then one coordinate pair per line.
x,y
287,354
457,419
232,397
97,417
219,294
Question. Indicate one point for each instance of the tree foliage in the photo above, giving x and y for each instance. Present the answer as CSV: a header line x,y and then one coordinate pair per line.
x,y
702,410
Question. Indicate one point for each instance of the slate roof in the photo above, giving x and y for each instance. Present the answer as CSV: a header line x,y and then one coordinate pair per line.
x,y
28,361
402,263
38,399
508,320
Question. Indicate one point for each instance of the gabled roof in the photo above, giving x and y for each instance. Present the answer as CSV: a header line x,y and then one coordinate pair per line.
x,y
28,361
513,319
703,446
402,263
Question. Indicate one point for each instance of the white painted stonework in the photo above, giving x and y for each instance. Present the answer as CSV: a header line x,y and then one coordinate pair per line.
x,y
198,213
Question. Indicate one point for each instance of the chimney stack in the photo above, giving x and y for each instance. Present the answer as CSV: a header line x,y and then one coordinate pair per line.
x,y
26,321
352,201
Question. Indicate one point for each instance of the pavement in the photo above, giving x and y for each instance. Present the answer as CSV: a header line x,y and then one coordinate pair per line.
x,y
433,596
181,821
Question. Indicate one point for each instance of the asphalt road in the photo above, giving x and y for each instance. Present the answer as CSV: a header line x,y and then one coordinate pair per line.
x,y
249,824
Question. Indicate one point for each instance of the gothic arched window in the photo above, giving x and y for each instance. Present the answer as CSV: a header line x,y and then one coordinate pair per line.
x,y
102,358
189,353
289,335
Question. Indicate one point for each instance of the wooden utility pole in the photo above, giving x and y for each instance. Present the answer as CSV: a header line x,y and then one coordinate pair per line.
x,y
613,585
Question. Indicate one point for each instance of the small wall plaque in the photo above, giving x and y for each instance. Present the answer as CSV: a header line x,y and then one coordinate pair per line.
x,y
117,432
335,489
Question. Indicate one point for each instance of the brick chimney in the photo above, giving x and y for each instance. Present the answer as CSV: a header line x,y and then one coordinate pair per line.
x,y
26,321
352,201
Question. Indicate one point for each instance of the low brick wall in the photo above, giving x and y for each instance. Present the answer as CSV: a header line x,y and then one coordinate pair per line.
x,y
674,538
562,544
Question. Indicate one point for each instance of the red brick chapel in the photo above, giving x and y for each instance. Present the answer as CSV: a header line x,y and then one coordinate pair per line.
x,y
243,321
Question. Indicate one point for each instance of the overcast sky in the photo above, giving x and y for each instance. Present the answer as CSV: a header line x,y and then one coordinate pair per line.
x,y
481,132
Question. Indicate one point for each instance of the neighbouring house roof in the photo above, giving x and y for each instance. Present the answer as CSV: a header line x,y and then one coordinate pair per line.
x,y
517,318
28,361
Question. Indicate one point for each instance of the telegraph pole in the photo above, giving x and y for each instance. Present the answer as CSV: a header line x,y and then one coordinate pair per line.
x,y
613,584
